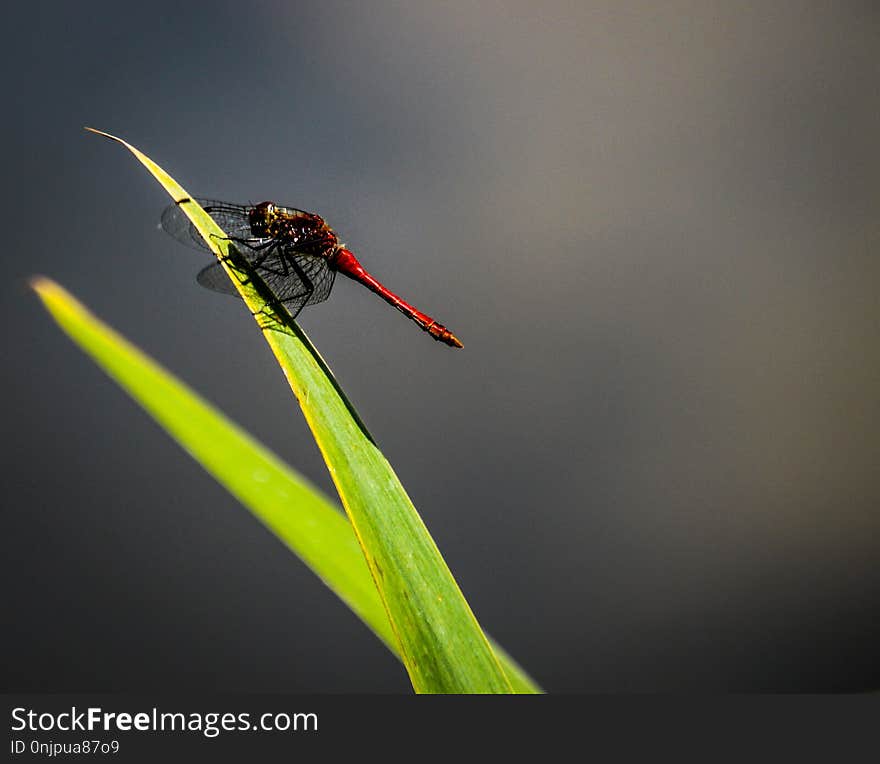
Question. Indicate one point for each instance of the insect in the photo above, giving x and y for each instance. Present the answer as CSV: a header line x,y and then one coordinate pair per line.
x,y
294,252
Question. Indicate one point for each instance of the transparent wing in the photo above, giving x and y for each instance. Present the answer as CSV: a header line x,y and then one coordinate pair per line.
x,y
291,275
322,278
232,218
295,279
213,277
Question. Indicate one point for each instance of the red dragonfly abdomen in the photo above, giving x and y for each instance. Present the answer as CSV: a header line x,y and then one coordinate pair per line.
x,y
345,262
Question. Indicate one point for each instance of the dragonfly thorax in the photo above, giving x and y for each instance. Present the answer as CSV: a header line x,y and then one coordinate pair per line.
x,y
307,231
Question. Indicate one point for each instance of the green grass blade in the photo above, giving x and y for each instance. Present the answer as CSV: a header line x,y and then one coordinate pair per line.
x,y
294,510
285,501
440,642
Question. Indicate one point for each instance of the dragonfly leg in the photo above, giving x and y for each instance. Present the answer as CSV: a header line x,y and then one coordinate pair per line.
x,y
264,251
267,318
281,268
236,265
242,275
303,277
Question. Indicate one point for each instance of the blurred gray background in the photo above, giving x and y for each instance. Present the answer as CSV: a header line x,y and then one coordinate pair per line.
x,y
653,466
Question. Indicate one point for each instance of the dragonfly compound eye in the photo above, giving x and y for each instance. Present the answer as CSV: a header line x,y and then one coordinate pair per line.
x,y
261,217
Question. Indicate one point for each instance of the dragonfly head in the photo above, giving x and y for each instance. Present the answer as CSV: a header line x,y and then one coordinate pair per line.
x,y
261,219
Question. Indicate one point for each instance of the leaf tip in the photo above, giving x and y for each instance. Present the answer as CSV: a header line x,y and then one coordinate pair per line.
x,y
101,133
42,284
51,293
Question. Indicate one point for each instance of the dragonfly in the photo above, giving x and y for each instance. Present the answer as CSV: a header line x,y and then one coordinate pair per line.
x,y
294,252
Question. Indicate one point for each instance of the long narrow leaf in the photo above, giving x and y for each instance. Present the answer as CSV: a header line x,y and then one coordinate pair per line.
x,y
294,510
440,641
